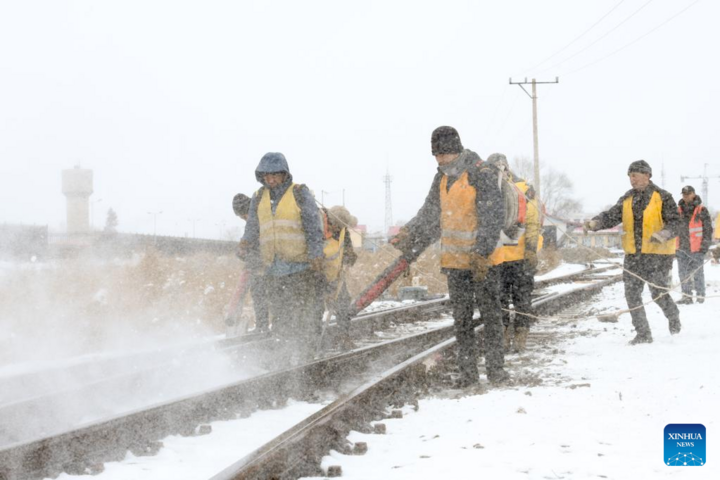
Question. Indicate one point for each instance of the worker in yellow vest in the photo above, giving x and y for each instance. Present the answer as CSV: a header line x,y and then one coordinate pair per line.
x,y
339,256
284,233
650,224
465,211
518,271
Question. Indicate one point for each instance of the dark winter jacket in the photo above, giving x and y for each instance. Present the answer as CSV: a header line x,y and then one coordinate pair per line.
x,y
671,219
309,214
425,228
703,216
349,255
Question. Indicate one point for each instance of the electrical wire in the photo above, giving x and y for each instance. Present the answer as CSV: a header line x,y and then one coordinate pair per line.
x,y
599,38
634,41
578,37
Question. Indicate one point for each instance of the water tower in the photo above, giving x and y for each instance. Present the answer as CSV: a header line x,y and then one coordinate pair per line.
x,y
77,186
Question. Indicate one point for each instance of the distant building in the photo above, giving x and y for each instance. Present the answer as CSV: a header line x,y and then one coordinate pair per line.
x,y
356,235
77,186
608,238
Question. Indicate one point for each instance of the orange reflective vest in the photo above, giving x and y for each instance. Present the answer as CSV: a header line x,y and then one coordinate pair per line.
x,y
695,226
459,223
652,223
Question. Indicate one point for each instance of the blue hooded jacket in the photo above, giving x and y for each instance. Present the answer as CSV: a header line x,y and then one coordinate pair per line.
x,y
273,162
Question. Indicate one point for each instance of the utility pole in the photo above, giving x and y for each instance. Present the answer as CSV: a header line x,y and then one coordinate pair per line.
x,y
388,202
705,179
193,221
155,214
536,155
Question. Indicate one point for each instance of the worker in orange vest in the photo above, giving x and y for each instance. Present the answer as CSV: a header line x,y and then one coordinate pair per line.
x,y
693,244
465,211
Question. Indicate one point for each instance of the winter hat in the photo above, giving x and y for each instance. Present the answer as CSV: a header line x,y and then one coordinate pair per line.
x,y
241,204
688,189
340,216
640,166
499,160
271,162
445,140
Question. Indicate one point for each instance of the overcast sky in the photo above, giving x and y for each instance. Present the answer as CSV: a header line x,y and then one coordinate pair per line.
x,y
172,103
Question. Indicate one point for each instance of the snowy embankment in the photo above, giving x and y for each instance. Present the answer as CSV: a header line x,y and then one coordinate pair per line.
x,y
586,406
600,411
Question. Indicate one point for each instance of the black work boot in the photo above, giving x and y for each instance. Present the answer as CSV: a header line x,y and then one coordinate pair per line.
x,y
497,376
674,326
686,300
645,337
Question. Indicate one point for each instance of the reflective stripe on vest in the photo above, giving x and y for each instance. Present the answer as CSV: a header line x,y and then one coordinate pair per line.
x,y
333,251
652,223
695,230
458,219
281,233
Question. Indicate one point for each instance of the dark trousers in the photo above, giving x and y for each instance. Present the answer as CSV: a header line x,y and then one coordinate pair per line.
x,y
340,305
652,269
465,293
687,264
260,291
517,283
296,324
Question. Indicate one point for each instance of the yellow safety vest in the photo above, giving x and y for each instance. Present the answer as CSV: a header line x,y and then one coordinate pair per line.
x,y
533,221
652,223
459,223
333,253
281,234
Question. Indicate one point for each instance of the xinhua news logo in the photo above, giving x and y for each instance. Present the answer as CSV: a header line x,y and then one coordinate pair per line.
x,y
685,445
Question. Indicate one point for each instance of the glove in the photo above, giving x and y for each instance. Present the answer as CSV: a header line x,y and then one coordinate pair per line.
x,y
660,237
531,259
242,250
590,226
400,239
480,266
317,264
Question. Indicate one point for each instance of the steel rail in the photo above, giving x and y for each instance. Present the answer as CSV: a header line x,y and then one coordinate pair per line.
x,y
298,451
74,451
93,372
88,446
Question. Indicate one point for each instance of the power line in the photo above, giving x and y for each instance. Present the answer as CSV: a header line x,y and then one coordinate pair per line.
x,y
634,41
601,37
536,156
578,37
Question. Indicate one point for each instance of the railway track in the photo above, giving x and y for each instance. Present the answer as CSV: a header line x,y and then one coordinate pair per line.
x,y
85,448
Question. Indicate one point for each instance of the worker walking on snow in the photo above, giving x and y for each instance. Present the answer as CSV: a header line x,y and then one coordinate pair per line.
x,y
650,223
693,244
284,231
519,261
465,211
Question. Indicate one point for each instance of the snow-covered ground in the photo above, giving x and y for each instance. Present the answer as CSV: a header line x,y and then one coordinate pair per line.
x,y
198,458
600,411
562,269
585,405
